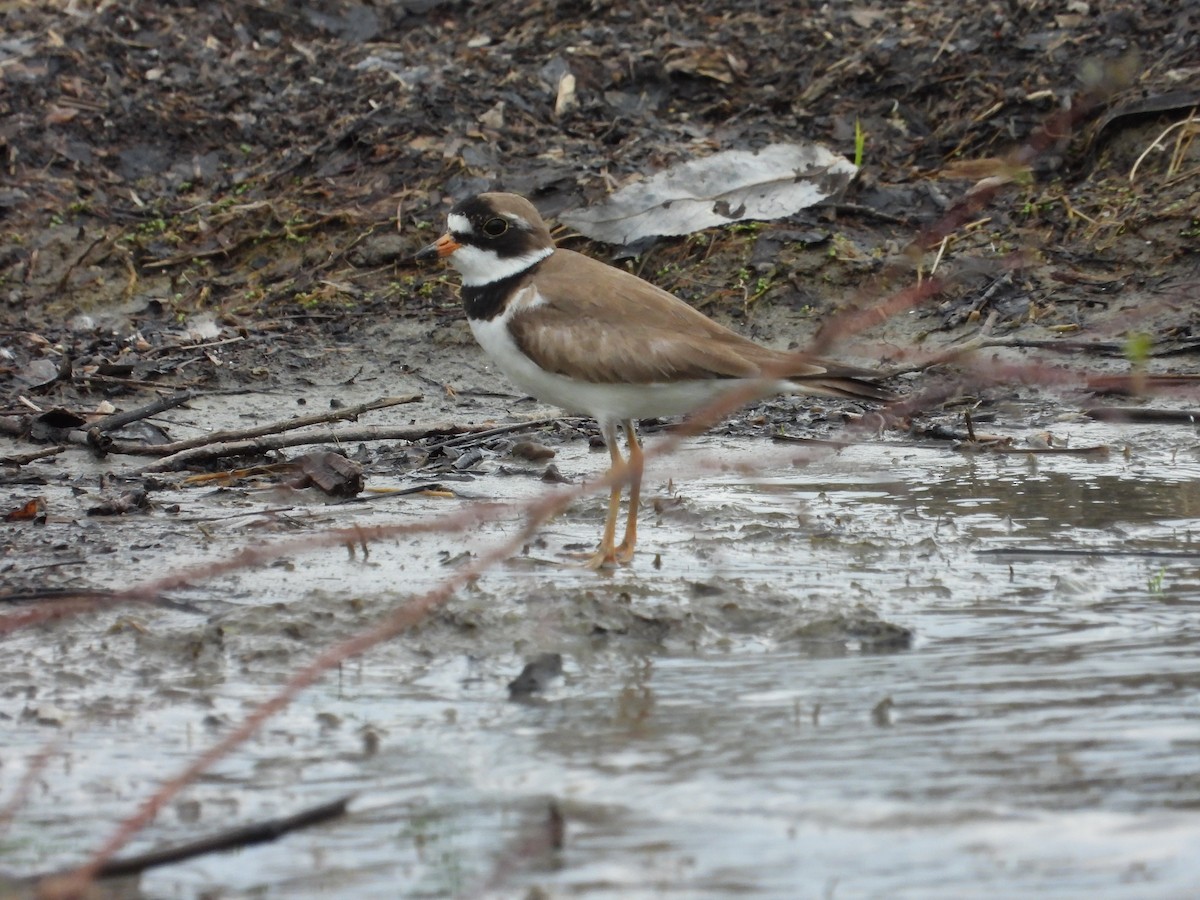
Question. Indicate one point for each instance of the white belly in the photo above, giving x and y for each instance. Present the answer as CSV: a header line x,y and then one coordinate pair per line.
x,y
609,403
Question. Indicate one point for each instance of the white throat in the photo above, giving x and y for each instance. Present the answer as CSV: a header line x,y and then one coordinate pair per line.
x,y
481,267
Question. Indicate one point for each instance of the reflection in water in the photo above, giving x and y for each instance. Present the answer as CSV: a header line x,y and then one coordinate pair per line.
x,y
1062,500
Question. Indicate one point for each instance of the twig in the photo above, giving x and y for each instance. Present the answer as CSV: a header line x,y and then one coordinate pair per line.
x,y
1140,383
1101,348
184,458
971,442
92,378
239,243
464,435
234,838
62,601
951,354
66,277
242,836
946,41
238,434
163,351
473,437
120,420
937,260
1003,447
20,459
1143,415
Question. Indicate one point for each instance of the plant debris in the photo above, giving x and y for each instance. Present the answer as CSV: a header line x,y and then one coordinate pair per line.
x,y
732,186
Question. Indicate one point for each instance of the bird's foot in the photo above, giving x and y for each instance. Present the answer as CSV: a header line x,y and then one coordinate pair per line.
x,y
602,559
609,557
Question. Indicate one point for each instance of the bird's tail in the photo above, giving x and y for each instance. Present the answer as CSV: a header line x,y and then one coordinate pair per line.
x,y
842,387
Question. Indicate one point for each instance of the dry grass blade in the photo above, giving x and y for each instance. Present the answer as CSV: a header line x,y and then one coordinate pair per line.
x,y
1188,128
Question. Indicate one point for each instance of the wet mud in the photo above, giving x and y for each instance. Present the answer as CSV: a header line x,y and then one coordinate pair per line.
x,y
976,665
950,653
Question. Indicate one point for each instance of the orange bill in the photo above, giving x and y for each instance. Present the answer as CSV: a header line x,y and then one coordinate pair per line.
x,y
442,247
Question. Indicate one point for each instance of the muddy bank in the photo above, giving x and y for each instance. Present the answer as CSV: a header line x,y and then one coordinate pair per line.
x,y
948,656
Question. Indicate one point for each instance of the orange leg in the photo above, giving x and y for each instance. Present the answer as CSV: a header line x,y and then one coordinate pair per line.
x,y
606,553
637,463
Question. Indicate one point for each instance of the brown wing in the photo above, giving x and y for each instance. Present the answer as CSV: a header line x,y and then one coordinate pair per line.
x,y
617,328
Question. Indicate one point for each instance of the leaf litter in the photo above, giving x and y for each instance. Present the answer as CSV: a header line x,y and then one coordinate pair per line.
x,y
773,182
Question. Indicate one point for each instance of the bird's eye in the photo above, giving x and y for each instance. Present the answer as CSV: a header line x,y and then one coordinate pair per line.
x,y
495,227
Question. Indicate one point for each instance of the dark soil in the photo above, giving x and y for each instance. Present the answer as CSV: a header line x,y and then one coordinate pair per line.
x,y
179,174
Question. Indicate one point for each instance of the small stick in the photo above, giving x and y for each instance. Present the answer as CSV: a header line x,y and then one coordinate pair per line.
x,y
1143,415
163,351
123,382
176,461
241,836
237,434
332,435
120,420
179,459
473,437
1005,448
1100,348
20,459
62,282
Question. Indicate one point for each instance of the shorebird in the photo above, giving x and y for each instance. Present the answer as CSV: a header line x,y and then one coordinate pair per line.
x,y
590,338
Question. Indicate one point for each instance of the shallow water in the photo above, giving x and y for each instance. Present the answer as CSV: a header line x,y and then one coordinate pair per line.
x,y
1039,736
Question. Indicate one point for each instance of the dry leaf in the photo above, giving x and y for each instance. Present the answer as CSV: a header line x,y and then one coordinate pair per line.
x,y
731,186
